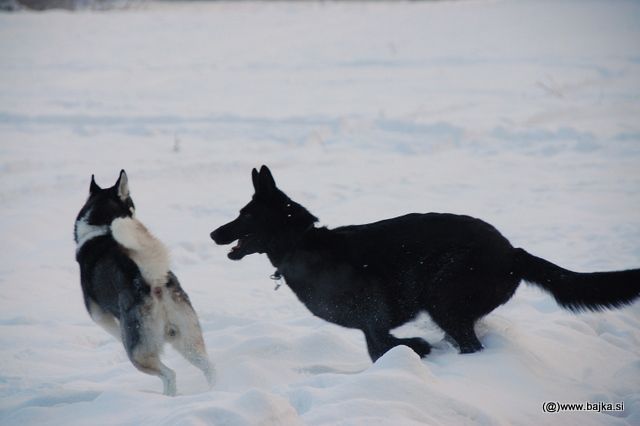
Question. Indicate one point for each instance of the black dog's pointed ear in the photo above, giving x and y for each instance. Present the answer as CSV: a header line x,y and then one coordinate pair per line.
x,y
122,185
267,183
93,188
255,178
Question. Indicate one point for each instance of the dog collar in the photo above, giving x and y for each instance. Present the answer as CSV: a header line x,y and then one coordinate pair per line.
x,y
276,276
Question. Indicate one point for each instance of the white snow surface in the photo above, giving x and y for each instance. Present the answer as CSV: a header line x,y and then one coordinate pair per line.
x,y
523,113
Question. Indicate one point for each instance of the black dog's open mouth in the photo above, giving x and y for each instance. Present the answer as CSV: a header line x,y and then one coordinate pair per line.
x,y
242,245
237,246
238,251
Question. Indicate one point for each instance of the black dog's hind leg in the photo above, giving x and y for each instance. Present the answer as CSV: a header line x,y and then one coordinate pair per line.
x,y
419,345
461,334
380,341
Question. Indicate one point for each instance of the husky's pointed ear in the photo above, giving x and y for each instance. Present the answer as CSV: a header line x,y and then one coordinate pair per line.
x,y
255,178
122,185
267,183
93,188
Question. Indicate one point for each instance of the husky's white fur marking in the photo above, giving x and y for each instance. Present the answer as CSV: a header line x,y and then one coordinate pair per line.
x,y
85,231
148,252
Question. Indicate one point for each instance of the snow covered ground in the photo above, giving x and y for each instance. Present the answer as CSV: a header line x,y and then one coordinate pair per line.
x,y
524,113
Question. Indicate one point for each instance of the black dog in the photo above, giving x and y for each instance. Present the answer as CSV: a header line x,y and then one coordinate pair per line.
x,y
378,276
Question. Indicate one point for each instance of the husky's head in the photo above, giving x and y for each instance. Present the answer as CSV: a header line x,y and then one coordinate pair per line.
x,y
269,218
102,206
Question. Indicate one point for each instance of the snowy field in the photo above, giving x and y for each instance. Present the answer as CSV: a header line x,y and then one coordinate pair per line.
x,y
523,113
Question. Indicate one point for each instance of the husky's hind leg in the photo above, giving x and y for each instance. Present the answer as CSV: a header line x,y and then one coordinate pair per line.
x,y
104,319
191,345
147,360
185,335
143,339
150,363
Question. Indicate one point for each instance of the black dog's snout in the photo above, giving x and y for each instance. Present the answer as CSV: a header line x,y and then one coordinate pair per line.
x,y
222,235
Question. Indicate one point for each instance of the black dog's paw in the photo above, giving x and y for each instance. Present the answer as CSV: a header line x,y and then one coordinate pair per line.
x,y
419,346
471,348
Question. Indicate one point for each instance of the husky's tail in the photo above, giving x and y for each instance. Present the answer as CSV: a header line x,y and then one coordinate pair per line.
x,y
148,252
576,291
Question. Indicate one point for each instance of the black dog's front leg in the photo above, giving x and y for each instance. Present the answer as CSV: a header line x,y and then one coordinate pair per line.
x,y
380,341
376,344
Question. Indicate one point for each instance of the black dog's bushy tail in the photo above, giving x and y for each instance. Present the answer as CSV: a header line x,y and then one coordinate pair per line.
x,y
580,291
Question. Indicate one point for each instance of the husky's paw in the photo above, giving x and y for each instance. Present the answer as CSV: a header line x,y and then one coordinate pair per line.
x,y
210,375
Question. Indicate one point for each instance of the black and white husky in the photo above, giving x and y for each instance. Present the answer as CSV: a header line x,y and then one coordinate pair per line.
x,y
128,287
376,277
